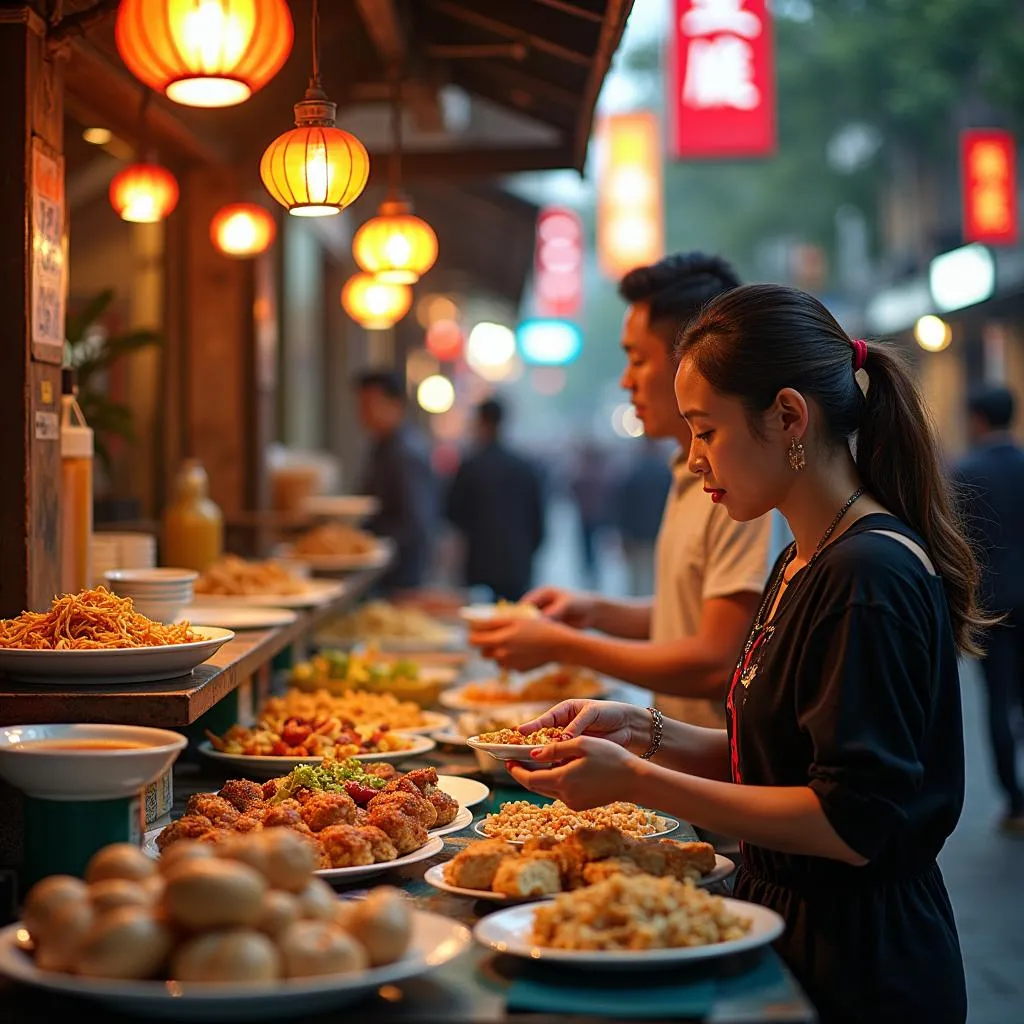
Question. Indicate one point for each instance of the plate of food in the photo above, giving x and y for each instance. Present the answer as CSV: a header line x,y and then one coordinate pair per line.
x,y
245,932
512,745
352,508
360,707
531,692
501,872
391,628
339,547
357,822
630,923
518,821
472,613
237,581
239,617
94,638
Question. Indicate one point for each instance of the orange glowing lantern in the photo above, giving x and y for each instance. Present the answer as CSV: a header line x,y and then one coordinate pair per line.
x,y
375,305
144,193
242,229
396,246
444,340
204,53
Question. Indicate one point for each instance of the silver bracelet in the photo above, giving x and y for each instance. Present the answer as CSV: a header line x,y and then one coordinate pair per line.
x,y
657,726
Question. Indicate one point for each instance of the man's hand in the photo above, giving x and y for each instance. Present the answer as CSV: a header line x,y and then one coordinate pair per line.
x,y
520,644
574,609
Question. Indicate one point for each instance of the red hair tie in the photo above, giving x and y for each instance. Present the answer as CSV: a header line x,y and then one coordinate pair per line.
x,y
860,353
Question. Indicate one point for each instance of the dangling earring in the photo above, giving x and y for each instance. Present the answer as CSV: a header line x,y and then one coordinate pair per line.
x,y
795,454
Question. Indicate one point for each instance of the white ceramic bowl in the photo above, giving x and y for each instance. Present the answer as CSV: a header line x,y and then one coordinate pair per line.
x,y
28,762
153,579
160,594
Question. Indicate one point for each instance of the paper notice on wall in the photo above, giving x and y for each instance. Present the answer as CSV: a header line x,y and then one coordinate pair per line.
x,y
49,256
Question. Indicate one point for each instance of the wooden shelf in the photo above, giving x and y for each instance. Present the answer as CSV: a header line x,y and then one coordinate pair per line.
x,y
174,702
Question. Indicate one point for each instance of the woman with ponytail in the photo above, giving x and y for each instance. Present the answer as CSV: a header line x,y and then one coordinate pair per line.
x,y
841,768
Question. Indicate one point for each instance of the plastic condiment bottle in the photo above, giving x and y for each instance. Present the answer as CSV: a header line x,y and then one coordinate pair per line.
x,y
76,451
193,527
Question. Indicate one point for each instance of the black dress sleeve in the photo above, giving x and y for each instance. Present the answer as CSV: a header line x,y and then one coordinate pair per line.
x,y
862,699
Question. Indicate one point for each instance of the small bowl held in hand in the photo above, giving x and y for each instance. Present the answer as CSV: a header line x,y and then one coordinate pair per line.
x,y
490,743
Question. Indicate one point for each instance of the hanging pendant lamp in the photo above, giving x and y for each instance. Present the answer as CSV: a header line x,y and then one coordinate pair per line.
x,y
242,229
316,169
204,53
374,304
144,192
395,246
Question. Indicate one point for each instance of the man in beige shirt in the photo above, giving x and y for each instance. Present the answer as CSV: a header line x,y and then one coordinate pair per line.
x,y
709,570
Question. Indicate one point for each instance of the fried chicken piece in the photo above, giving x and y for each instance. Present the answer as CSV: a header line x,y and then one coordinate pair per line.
x,y
382,770
445,807
191,826
242,794
214,807
248,823
527,876
598,843
688,860
406,833
421,778
415,805
361,815
346,846
601,870
271,786
326,809
476,865
402,785
217,836
381,846
283,816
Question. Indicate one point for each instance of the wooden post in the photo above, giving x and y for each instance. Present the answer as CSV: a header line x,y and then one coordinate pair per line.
x,y
33,288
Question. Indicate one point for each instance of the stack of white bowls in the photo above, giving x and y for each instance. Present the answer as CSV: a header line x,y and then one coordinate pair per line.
x,y
121,550
159,594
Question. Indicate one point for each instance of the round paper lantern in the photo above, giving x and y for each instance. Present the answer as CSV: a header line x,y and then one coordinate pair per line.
x,y
316,169
375,305
395,246
444,340
204,53
144,193
242,229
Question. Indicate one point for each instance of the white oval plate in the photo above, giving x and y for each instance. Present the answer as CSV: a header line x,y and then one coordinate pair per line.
x,y
457,701
104,666
486,612
508,931
376,558
348,507
433,720
238,616
510,751
435,941
317,592
433,846
271,767
468,792
449,737
435,876
670,822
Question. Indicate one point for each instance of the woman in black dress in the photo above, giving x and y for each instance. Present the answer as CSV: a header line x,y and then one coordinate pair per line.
x,y
841,771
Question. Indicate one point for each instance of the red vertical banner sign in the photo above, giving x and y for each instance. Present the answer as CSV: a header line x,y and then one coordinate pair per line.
x,y
721,78
988,169
558,263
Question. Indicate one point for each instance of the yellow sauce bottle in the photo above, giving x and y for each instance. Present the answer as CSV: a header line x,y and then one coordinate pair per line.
x,y
76,451
193,527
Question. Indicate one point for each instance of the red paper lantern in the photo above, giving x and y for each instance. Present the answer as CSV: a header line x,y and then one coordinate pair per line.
x,y
144,193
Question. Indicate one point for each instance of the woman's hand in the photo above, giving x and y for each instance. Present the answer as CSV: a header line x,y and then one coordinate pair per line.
x,y
622,724
519,644
575,610
593,772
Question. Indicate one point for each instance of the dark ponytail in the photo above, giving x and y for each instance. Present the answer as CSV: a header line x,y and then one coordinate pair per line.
x,y
756,340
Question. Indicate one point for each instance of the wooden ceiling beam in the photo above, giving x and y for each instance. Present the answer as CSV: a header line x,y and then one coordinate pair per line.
x,y
574,9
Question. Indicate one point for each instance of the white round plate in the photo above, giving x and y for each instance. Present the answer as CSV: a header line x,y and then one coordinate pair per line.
x,y
486,612
468,792
670,823
351,508
272,767
433,720
510,751
433,846
104,666
508,931
238,616
376,558
457,824
435,941
316,592
435,876
52,773
456,700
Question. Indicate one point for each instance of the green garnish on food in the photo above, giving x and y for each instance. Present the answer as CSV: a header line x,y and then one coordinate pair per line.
x,y
329,777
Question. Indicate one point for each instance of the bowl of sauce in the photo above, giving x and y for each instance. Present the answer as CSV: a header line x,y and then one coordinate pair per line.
x,y
85,762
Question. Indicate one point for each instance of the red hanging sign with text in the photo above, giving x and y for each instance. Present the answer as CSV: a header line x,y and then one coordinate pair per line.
x,y
988,169
721,79
558,263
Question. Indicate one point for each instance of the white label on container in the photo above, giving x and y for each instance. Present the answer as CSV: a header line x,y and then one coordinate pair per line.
x,y
47,426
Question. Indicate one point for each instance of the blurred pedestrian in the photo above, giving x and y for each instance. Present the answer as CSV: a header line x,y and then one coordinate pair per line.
x,y
400,476
639,502
992,477
496,503
590,483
